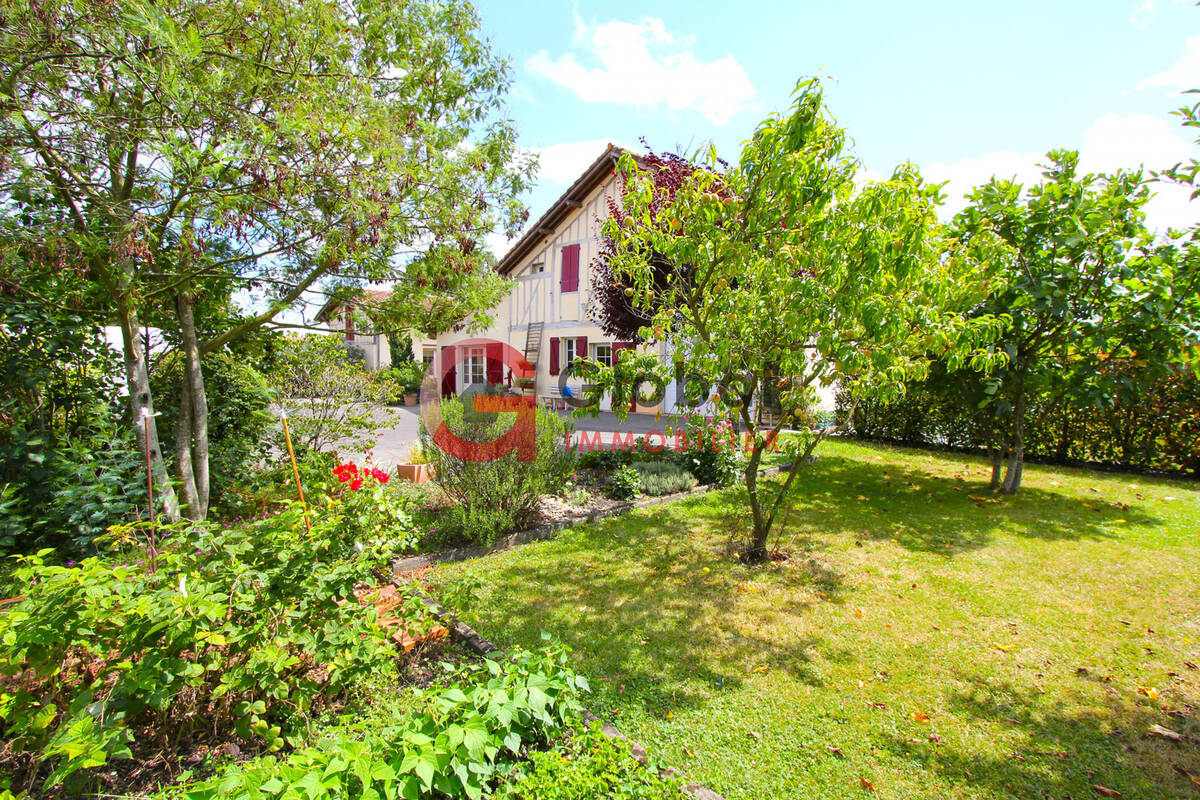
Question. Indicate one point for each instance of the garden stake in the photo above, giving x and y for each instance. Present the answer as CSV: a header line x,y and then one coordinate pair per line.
x,y
150,490
287,434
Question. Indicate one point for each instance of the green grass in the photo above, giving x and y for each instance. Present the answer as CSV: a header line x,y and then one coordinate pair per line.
x,y
1023,628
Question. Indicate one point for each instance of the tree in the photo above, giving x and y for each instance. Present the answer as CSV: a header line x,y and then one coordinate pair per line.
x,y
331,399
1088,287
175,153
779,273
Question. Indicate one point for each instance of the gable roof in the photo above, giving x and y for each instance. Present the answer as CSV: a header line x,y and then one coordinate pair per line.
x,y
571,199
369,296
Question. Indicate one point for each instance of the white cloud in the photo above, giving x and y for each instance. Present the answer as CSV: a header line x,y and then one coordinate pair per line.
x,y
644,64
1143,13
563,163
1184,74
1113,142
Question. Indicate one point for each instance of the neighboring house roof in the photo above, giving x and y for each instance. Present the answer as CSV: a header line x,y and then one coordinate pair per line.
x,y
368,295
571,199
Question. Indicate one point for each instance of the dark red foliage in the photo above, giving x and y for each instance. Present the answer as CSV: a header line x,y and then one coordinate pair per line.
x,y
610,308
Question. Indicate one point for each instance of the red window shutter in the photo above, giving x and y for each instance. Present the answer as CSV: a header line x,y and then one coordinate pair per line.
x,y
449,372
553,355
349,324
581,347
569,280
494,368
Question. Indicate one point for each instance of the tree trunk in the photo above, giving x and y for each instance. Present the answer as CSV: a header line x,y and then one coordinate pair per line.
x,y
193,381
183,454
997,461
757,553
1016,455
141,406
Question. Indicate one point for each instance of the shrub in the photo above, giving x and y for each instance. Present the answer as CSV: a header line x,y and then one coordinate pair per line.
x,y
612,458
710,451
380,515
188,629
477,524
490,715
589,765
330,399
495,497
657,478
623,483
402,380
68,465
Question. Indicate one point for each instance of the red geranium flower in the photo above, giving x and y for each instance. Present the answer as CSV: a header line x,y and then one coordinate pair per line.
x,y
356,484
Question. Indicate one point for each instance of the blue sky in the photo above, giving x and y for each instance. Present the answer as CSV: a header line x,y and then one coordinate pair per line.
x,y
963,89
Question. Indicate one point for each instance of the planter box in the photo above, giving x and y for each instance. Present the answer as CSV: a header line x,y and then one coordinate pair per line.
x,y
417,473
411,399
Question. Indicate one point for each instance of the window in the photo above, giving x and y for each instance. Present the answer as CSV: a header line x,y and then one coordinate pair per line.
x,y
538,267
427,355
570,348
474,372
603,354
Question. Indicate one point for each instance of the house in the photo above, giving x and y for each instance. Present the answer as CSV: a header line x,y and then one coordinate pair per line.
x,y
545,316
339,317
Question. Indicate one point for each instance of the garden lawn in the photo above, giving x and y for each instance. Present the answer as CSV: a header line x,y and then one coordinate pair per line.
x,y
925,639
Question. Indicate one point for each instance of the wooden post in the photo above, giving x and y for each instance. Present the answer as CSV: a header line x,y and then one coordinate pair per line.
x,y
287,434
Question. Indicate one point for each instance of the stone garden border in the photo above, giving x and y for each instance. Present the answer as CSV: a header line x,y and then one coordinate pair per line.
x,y
551,529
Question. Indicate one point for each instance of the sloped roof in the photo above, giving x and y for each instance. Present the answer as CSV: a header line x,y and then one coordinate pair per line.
x,y
593,176
368,296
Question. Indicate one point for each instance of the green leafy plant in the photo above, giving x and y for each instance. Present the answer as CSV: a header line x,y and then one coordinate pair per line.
x,y
246,629
488,715
656,478
588,765
494,497
331,401
709,449
623,483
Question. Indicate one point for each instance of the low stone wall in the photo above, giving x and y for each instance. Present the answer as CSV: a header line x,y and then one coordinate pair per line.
x,y
550,530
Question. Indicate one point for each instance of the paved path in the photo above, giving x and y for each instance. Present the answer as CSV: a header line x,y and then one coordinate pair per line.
x,y
395,440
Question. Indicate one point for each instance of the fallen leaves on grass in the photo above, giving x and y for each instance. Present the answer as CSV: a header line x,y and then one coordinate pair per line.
x,y
1105,791
1148,691
866,784
919,717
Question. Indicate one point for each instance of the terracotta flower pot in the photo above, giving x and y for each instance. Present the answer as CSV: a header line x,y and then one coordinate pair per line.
x,y
417,473
410,399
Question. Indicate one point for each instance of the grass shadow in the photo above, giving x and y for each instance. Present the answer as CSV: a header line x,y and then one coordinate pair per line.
x,y
939,509
1071,744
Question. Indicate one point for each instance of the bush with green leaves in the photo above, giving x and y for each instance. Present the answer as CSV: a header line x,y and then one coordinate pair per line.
x,y
188,631
493,497
586,766
403,380
656,478
68,464
613,457
488,716
709,450
624,483
331,400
